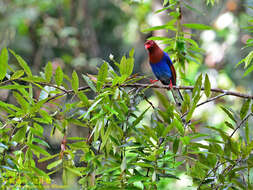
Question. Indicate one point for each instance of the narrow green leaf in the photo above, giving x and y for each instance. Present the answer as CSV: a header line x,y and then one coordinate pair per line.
x,y
17,74
245,108
54,164
48,158
228,112
89,82
38,149
122,65
3,63
247,132
207,86
131,53
106,136
248,71
229,125
75,82
175,145
84,98
74,171
22,63
185,140
15,87
197,26
161,27
20,135
102,74
48,71
138,119
58,76
21,101
248,59
178,125
197,85
40,141
84,116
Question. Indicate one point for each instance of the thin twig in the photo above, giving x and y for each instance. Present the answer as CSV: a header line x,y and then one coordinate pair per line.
x,y
208,100
241,123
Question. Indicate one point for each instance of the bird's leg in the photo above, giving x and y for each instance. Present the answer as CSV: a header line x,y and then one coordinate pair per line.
x,y
170,85
153,81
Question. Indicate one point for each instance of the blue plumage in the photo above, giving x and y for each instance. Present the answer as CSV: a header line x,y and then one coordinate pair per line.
x,y
162,69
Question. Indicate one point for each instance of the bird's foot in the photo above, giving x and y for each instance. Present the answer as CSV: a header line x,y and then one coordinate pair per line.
x,y
170,85
153,81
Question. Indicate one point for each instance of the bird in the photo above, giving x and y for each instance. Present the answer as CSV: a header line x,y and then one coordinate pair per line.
x,y
163,68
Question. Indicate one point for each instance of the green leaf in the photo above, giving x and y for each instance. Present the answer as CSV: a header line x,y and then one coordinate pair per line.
x,y
38,149
175,145
185,140
17,74
248,59
48,158
161,27
228,112
84,98
248,71
165,2
131,53
197,26
22,63
15,87
3,63
229,125
54,164
22,102
178,125
58,76
102,74
197,85
40,141
74,171
207,86
75,82
138,119
20,135
89,82
85,115
245,108
122,65
48,71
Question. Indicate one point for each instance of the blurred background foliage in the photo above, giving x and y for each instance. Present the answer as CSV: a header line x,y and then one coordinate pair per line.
x,y
79,34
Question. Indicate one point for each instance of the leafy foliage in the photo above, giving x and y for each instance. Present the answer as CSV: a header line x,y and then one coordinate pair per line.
x,y
128,146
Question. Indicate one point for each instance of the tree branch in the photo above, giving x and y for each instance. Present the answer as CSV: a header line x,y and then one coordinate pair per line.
x,y
141,85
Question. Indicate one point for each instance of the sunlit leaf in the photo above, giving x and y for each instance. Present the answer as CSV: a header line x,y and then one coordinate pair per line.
x,y
3,63
102,74
207,86
58,76
22,63
245,108
54,164
48,71
75,81
197,26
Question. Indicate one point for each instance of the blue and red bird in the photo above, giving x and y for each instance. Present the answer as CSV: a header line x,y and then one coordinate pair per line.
x,y
163,68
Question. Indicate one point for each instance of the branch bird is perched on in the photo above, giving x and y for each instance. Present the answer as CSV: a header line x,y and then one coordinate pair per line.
x,y
163,68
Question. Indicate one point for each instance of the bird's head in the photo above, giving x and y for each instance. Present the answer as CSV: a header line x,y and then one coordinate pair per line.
x,y
149,45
